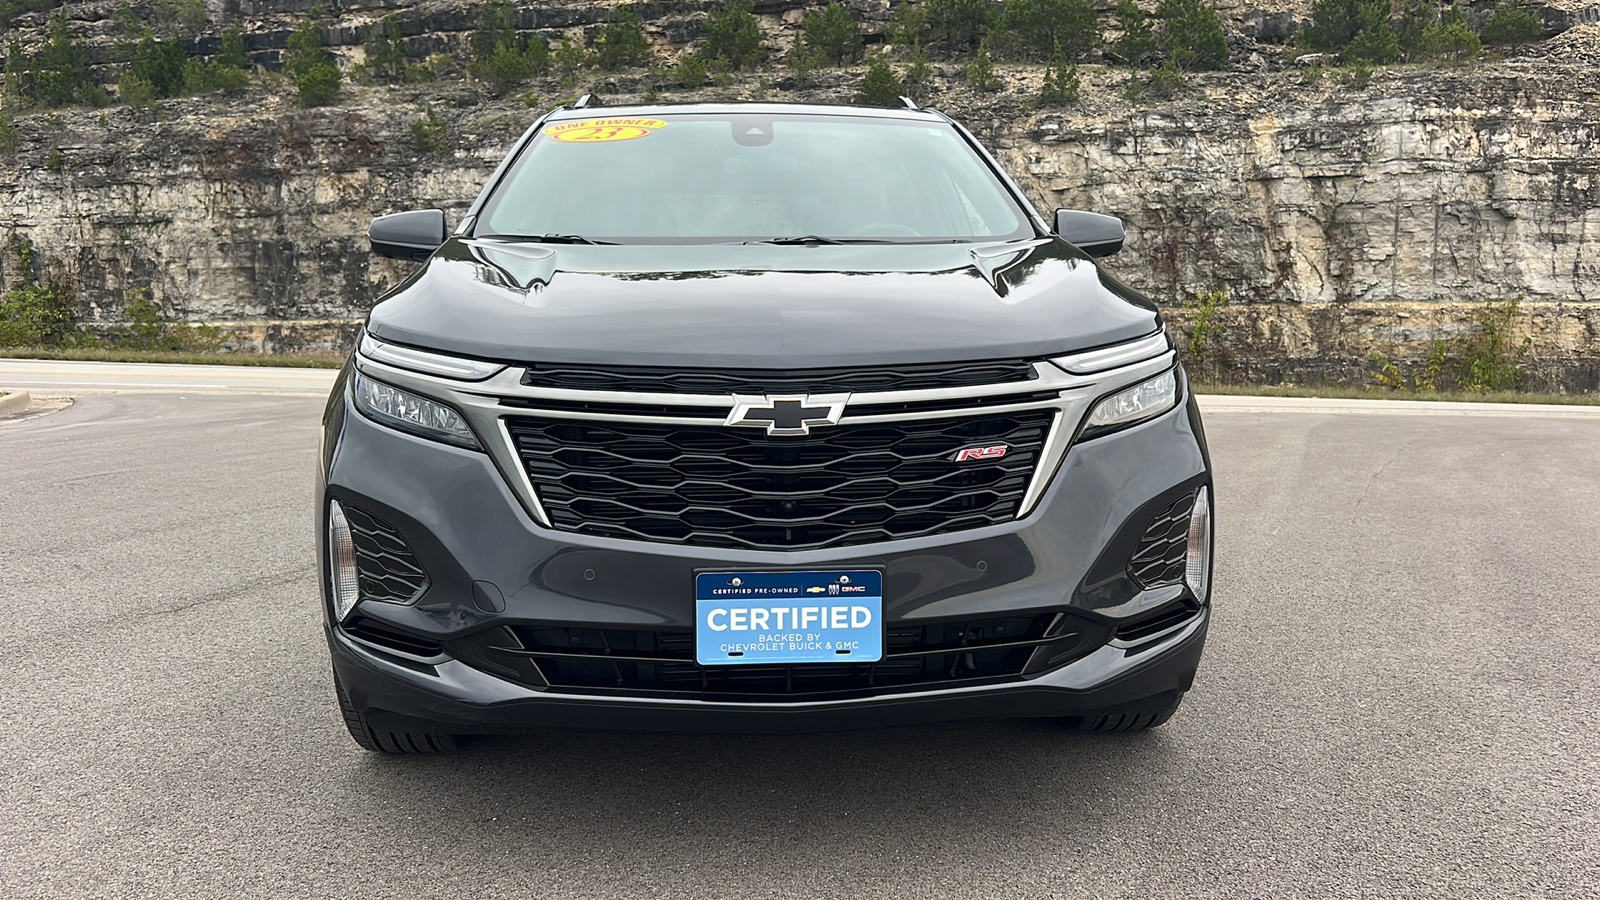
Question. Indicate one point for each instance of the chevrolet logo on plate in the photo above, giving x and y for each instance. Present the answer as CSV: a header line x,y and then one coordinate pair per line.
x,y
815,589
787,415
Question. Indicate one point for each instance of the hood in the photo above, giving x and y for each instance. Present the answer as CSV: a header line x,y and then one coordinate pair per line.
x,y
760,305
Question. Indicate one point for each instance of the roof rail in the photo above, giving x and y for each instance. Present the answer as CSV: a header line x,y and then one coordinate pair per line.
x,y
910,103
583,102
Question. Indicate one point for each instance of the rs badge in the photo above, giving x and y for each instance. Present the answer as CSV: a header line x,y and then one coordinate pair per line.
x,y
970,453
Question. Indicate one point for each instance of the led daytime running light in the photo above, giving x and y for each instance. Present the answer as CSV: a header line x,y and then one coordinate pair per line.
x,y
1197,562
427,363
342,574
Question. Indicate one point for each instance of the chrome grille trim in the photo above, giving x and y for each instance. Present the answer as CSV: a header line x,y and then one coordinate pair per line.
x,y
480,403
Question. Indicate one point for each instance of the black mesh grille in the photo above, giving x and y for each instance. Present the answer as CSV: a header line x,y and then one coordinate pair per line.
x,y
738,487
386,568
757,381
662,663
1161,553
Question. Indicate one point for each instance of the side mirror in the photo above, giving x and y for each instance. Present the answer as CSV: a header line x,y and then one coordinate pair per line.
x,y
1096,234
407,235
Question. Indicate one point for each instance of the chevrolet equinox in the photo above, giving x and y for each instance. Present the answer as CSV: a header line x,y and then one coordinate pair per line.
x,y
763,418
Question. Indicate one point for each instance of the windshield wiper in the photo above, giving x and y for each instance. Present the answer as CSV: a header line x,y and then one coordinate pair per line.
x,y
817,239
546,238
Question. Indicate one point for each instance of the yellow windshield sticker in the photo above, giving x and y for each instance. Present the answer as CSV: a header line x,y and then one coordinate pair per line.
x,y
599,131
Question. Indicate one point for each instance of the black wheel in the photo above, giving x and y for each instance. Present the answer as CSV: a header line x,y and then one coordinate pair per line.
x,y
388,741
1125,721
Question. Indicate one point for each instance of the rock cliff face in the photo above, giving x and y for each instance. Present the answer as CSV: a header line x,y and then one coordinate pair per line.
x,y
1310,201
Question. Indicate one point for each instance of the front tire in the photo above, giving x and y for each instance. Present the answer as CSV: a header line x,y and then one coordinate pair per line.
x,y
393,742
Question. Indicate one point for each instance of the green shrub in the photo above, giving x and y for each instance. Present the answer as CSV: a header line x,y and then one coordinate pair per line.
x,y
1061,84
1424,379
306,61
10,139
58,73
160,64
497,24
569,58
1418,30
1358,29
981,75
136,91
1204,328
1373,45
1138,39
733,37
232,53
1191,34
126,22
1488,360
385,52
501,56
831,35
1458,43
502,69
1511,23
957,26
428,133
918,71
1491,359
880,87
201,77
690,72
908,25
622,43
1167,79
179,17
37,312
149,329
318,85
1042,28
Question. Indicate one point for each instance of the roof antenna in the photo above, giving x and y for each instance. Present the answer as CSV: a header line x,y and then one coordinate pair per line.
x,y
583,101
910,103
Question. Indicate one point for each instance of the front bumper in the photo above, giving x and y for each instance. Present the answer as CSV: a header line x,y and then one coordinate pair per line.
x,y
465,526
461,699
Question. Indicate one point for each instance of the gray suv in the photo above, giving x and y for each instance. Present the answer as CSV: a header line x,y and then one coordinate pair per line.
x,y
758,417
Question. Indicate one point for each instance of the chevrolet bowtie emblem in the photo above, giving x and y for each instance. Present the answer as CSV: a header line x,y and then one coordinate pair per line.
x,y
787,415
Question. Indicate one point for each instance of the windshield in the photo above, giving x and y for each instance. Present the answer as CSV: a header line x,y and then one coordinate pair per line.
x,y
683,178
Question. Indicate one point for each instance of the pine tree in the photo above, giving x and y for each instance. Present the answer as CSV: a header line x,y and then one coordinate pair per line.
x,y
880,87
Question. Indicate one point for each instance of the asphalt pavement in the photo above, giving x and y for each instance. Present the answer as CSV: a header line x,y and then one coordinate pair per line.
x,y
1400,698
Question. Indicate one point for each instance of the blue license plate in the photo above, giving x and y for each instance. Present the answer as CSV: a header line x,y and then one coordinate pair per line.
x,y
782,618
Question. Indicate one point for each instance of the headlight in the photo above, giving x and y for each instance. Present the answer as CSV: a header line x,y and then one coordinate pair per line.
x,y
1143,400
409,412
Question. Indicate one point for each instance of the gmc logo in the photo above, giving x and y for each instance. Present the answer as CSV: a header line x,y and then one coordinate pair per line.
x,y
995,452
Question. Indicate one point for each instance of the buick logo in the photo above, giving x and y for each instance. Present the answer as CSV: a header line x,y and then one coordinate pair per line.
x,y
787,415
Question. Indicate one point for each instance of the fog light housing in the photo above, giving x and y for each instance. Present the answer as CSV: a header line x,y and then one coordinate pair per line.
x,y
342,576
1197,562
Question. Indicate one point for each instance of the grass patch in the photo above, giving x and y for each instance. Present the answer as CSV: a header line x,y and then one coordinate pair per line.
x,y
1341,392
119,354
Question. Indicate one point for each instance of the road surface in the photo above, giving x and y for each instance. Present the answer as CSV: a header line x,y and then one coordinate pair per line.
x,y
1400,697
